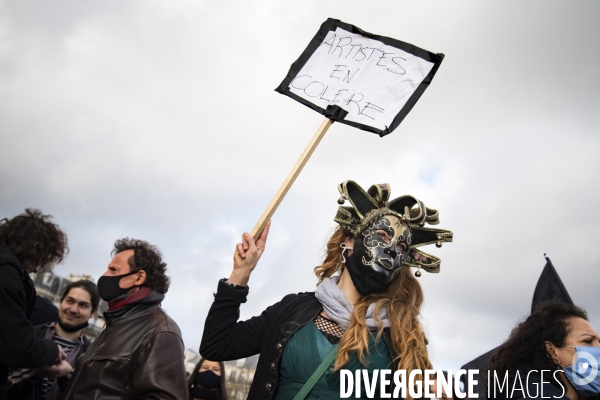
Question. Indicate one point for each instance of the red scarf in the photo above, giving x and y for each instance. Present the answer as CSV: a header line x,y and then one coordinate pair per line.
x,y
131,298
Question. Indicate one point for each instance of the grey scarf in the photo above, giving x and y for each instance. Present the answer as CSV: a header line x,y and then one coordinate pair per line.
x,y
339,309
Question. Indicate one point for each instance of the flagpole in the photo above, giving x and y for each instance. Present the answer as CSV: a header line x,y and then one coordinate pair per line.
x,y
289,181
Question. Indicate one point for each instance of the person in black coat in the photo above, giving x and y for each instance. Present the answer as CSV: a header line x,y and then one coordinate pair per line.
x,y
28,242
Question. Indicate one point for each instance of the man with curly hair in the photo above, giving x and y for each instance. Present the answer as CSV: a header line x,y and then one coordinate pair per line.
x,y
28,243
140,353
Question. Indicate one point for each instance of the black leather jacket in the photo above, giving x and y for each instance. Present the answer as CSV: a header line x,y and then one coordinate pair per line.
x,y
225,338
139,355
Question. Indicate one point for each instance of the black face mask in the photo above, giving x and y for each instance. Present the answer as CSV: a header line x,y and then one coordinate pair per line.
x,y
109,289
374,261
207,379
71,329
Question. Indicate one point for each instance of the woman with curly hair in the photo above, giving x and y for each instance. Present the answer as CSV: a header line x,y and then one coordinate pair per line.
x,y
542,355
29,242
364,313
207,381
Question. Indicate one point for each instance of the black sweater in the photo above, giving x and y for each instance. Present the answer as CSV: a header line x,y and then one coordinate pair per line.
x,y
18,345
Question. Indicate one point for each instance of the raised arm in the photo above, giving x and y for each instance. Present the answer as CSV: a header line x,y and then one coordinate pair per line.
x,y
225,338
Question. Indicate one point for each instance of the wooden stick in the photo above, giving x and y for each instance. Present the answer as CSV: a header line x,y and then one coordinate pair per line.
x,y
289,181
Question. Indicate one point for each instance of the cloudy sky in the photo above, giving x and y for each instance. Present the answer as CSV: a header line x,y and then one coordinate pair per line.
x,y
158,120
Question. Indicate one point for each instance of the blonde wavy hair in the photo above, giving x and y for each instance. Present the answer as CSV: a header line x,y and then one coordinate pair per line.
x,y
403,299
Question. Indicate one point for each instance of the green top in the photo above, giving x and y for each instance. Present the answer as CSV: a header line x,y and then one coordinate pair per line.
x,y
303,353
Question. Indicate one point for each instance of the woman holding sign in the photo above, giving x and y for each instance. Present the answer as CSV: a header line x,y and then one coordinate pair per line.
x,y
362,316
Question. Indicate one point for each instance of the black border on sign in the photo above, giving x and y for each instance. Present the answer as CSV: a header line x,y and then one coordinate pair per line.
x,y
334,113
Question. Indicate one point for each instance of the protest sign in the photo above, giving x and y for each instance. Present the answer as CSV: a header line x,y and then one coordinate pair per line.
x,y
375,79
367,81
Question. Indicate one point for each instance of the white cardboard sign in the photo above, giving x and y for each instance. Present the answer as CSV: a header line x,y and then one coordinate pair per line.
x,y
364,80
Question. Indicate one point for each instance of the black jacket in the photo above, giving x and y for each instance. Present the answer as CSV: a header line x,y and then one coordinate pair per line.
x,y
18,345
31,389
226,339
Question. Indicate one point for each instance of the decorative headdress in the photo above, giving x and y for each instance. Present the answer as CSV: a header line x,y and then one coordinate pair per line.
x,y
373,204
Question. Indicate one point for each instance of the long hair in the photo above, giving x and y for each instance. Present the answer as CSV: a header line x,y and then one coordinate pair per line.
x,y
34,240
403,299
526,345
192,378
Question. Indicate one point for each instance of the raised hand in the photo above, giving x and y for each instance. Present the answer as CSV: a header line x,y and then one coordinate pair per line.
x,y
246,256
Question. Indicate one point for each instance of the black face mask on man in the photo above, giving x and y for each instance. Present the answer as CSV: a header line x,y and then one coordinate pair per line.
x,y
108,286
379,251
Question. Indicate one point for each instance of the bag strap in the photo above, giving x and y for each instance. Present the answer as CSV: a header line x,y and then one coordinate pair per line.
x,y
314,378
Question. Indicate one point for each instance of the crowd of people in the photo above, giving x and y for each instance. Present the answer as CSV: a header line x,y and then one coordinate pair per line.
x,y
363,315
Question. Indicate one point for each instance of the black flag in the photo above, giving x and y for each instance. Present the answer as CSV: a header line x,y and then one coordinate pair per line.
x,y
550,287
